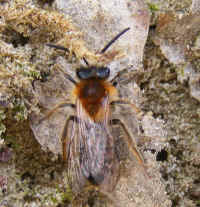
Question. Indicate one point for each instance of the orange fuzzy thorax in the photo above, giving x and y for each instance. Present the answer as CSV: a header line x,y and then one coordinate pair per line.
x,y
92,93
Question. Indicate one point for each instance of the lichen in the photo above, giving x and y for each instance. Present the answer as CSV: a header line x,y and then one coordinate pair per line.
x,y
179,111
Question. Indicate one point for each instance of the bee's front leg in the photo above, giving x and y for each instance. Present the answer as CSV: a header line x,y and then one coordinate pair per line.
x,y
136,110
52,111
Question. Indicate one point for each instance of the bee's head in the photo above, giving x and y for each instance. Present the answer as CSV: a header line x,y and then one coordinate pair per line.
x,y
85,73
93,72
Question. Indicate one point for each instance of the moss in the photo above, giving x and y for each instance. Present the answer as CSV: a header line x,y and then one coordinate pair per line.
x,y
2,126
20,111
33,73
25,27
153,7
11,141
68,195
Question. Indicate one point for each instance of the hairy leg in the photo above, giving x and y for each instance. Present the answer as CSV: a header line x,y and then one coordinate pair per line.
x,y
131,144
124,101
52,111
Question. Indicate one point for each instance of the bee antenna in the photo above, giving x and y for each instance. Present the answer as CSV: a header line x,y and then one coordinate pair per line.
x,y
114,39
67,76
58,47
65,49
86,62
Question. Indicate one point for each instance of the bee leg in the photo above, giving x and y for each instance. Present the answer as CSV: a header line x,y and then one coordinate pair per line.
x,y
52,111
130,141
124,101
64,136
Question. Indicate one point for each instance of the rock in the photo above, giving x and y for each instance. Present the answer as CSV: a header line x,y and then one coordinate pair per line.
x,y
100,21
179,42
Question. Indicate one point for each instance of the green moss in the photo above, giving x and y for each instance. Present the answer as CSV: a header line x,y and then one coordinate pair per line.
x,y
153,7
20,111
2,129
33,74
2,126
11,140
67,195
54,200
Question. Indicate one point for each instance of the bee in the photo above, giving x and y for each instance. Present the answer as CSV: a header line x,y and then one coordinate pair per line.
x,y
87,142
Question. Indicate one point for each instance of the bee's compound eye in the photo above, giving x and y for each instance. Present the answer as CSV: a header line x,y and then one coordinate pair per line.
x,y
103,72
84,73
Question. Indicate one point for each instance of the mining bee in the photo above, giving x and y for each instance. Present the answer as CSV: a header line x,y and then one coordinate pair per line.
x,y
87,142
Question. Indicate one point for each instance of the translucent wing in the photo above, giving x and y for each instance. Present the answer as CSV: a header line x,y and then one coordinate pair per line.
x,y
91,154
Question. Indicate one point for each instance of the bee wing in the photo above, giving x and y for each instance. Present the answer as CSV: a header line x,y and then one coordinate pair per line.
x,y
91,149
75,177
